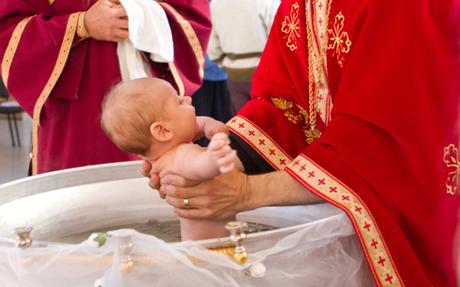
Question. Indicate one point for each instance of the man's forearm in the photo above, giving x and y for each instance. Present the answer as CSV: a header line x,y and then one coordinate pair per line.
x,y
277,188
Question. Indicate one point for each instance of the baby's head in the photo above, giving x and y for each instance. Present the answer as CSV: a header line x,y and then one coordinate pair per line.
x,y
142,114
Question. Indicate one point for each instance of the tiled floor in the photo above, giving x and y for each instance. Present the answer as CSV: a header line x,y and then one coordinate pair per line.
x,y
14,161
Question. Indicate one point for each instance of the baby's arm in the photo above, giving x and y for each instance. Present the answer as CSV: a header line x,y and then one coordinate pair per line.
x,y
197,163
207,126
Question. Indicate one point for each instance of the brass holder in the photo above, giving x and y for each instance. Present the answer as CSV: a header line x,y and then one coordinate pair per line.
x,y
237,235
23,239
128,259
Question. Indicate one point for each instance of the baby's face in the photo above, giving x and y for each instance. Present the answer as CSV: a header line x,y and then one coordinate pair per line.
x,y
181,114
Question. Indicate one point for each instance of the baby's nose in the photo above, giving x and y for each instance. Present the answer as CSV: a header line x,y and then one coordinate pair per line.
x,y
188,100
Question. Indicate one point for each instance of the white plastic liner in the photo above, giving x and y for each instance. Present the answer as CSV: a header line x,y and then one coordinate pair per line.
x,y
314,246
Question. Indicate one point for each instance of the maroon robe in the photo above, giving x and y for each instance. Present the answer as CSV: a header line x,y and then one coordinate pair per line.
x,y
60,80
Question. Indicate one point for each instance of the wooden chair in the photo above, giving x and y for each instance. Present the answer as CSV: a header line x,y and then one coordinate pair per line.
x,y
11,109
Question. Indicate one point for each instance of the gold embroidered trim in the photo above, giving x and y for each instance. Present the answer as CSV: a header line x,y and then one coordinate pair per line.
x,y
81,28
341,42
51,2
191,36
328,187
58,67
319,98
260,141
313,133
177,79
290,27
322,9
11,49
452,161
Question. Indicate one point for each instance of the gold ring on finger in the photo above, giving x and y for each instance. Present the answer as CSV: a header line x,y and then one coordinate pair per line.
x,y
186,203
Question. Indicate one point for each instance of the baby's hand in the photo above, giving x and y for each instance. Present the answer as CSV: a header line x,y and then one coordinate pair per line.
x,y
213,128
222,153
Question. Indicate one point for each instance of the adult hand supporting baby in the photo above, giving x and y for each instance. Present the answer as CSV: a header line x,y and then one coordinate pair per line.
x,y
218,198
226,195
154,178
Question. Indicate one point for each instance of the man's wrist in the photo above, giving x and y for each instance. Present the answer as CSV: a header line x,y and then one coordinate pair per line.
x,y
251,192
276,188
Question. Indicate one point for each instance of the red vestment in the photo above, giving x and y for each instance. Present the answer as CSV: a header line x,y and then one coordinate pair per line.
x,y
383,80
60,80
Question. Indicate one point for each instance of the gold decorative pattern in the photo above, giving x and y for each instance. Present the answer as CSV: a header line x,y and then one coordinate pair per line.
x,y
304,113
313,64
319,98
452,161
311,135
297,116
11,49
191,36
286,106
230,252
81,28
177,79
332,190
57,70
290,27
339,40
51,2
282,103
260,141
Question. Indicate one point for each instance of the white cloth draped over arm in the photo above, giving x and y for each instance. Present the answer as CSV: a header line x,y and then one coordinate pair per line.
x,y
149,31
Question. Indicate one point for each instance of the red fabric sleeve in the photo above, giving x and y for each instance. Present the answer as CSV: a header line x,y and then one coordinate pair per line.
x,y
35,54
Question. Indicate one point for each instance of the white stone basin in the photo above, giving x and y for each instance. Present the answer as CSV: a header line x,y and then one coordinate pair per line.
x,y
312,245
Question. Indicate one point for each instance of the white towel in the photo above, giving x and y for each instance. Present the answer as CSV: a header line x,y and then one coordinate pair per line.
x,y
149,31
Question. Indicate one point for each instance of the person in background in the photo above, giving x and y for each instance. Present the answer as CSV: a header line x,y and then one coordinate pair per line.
x,y
59,59
240,31
213,98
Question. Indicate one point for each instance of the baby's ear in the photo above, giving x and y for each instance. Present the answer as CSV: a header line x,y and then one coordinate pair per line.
x,y
161,132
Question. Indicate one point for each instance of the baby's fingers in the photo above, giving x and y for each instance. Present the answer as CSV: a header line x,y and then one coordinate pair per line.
x,y
227,162
218,143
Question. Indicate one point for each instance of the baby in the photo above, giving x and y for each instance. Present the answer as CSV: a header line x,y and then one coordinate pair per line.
x,y
147,117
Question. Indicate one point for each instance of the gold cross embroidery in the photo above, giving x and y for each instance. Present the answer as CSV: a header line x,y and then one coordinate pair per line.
x,y
339,40
290,27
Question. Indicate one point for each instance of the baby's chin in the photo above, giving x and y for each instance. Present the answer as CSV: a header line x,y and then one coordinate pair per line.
x,y
195,130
